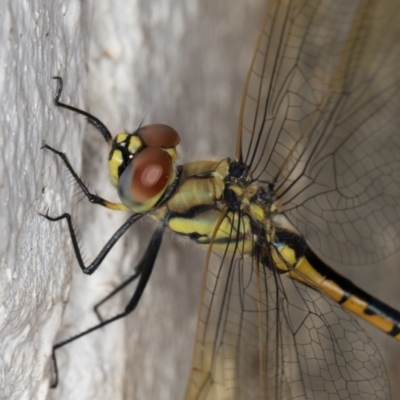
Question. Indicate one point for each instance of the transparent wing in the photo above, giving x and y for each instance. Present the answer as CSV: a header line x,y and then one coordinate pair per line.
x,y
320,120
260,336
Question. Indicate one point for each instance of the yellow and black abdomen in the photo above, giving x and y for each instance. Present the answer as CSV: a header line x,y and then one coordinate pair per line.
x,y
199,205
296,260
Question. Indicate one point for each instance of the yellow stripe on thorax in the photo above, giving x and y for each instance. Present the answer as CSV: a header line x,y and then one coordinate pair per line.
x,y
193,208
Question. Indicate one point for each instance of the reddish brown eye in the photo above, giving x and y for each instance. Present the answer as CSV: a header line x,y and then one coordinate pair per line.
x,y
145,177
159,135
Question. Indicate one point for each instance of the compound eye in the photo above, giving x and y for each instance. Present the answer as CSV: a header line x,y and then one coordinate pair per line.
x,y
145,178
159,135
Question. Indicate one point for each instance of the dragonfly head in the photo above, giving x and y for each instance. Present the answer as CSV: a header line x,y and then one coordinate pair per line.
x,y
141,165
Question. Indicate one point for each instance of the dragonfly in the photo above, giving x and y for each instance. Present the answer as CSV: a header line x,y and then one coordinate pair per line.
x,y
314,176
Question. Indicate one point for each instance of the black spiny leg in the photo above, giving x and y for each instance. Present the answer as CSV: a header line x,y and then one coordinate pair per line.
x,y
93,198
144,269
146,264
90,118
104,251
138,271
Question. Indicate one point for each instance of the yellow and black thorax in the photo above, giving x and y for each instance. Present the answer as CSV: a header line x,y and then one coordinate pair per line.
x,y
203,200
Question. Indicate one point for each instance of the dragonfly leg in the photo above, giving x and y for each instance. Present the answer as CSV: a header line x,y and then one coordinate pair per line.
x,y
93,198
124,284
90,118
138,270
104,251
144,269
